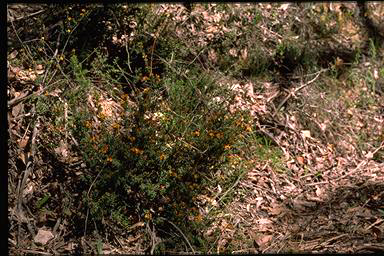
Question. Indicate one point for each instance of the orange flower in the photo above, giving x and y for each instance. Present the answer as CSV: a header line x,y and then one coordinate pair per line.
x,y
137,151
227,147
116,126
162,156
219,135
198,218
196,133
104,149
109,159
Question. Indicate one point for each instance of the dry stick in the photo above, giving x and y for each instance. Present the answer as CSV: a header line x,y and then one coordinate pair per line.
x,y
36,252
27,171
25,17
185,238
226,192
363,162
89,190
16,101
21,42
296,90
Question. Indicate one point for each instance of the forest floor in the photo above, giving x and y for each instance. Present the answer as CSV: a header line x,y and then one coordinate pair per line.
x,y
316,182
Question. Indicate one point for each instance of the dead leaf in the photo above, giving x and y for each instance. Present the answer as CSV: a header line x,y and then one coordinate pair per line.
x,y
263,240
320,192
212,56
16,109
32,77
306,133
62,149
284,6
55,93
23,142
13,55
275,209
233,52
43,236
369,155
40,71
300,160
23,158
263,221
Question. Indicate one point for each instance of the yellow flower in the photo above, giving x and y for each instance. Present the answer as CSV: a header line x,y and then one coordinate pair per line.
x,y
198,218
211,134
124,96
61,57
227,147
248,128
148,216
42,38
131,138
172,173
69,18
68,30
101,116
88,124
144,78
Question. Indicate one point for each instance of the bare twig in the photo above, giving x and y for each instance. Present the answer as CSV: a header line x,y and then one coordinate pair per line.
x,y
358,167
226,192
26,96
11,19
185,238
89,190
362,163
295,91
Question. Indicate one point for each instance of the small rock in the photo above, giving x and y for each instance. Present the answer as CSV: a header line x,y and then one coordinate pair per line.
x,y
43,236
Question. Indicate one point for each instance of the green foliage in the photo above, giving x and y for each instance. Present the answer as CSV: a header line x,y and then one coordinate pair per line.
x,y
158,163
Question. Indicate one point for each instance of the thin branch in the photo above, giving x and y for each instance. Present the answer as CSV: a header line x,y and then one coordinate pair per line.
x,y
296,90
25,17
185,238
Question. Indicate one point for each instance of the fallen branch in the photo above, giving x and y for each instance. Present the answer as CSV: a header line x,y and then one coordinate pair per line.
x,y
185,238
296,90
